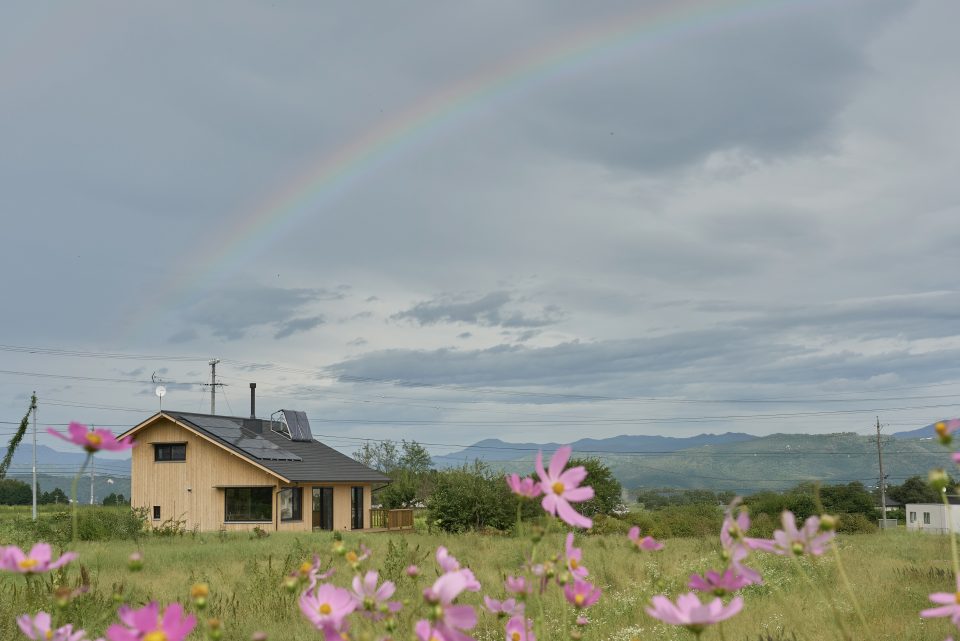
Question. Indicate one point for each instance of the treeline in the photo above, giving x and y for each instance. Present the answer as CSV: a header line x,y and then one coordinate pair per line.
x,y
16,492
470,497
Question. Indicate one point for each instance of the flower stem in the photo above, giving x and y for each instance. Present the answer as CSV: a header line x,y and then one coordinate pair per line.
x,y
953,538
819,588
847,584
73,495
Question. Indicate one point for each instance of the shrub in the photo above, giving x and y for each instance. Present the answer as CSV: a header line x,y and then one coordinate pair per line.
x,y
472,498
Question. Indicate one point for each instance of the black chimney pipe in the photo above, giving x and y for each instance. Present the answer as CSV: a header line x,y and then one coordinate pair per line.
x,y
253,400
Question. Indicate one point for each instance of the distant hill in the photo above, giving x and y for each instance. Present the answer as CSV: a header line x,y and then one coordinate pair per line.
x,y
774,462
920,432
493,450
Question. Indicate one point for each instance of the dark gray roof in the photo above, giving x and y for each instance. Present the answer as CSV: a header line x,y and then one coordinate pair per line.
x,y
318,462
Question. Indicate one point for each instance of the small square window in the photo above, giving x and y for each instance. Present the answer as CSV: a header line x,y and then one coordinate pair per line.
x,y
156,512
170,452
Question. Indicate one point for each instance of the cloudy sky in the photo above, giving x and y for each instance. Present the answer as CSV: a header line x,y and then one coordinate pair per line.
x,y
450,221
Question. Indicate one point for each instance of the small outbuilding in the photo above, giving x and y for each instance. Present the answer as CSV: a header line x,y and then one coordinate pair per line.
x,y
933,517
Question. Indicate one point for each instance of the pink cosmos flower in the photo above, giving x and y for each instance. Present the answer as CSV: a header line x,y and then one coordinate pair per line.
x,y
449,564
520,629
93,440
574,557
561,487
326,607
690,613
517,585
38,628
373,600
719,584
646,543
791,540
956,457
450,620
413,571
526,487
581,594
949,603
148,623
509,607
427,632
13,559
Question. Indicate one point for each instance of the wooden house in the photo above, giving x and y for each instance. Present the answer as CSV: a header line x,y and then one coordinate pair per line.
x,y
228,473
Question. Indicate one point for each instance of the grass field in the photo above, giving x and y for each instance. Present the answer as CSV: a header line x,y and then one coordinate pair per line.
x,y
892,573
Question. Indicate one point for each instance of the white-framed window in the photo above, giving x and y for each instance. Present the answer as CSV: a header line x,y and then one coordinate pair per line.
x,y
913,517
926,518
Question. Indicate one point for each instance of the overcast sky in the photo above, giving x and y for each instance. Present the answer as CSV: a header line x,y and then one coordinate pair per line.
x,y
559,219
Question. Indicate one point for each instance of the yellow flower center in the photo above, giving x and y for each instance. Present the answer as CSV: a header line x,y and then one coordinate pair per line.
x,y
558,488
199,590
28,564
156,635
514,636
574,564
305,568
94,439
325,608
48,634
352,557
941,428
578,599
956,598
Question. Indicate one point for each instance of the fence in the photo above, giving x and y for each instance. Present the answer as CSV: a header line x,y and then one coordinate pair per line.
x,y
391,519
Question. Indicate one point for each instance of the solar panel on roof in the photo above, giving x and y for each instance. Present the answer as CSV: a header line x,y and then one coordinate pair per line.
x,y
298,425
231,432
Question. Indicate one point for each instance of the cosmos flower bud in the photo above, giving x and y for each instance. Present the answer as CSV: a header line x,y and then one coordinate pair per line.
x,y
258,636
939,480
828,522
199,593
536,534
213,629
135,562
291,584
413,571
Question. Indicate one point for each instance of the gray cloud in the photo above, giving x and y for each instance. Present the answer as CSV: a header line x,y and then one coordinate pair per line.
x,y
231,313
293,326
490,310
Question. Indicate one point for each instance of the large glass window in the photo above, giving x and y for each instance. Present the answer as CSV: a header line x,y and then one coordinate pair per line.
x,y
248,504
170,452
356,508
291,504
323,508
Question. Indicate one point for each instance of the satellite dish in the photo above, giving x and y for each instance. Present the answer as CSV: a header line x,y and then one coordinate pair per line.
x,y
161,391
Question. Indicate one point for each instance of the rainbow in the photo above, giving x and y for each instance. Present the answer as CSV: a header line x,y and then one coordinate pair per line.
x,y
335,172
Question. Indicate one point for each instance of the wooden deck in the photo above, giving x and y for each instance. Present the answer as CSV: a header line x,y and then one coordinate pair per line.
x,y
390,520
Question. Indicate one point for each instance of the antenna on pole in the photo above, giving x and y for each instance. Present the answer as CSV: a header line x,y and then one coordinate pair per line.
x,y
161,390
213,385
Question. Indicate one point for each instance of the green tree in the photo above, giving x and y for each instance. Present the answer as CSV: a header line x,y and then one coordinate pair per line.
x,y
914,490
56,495
471,497
607,491
115,499
14,492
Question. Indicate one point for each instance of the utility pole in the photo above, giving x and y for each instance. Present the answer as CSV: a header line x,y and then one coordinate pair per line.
x,y
34,486
213,384
92,463
883,483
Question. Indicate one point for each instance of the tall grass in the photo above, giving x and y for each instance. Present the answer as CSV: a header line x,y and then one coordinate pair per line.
x,y
892,572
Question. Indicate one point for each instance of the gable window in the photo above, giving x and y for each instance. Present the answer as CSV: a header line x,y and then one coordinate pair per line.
x,y
926,518
913,517
169,451
291,504
248,504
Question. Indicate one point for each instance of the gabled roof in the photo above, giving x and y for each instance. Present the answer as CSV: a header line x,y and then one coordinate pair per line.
x,y
296,461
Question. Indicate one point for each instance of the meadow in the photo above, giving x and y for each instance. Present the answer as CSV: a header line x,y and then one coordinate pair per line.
x,y
891,572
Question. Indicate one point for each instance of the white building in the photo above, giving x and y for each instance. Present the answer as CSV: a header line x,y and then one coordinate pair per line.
x,y
932,517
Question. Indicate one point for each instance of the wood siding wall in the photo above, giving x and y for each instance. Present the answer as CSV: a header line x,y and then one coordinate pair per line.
x,y
187,490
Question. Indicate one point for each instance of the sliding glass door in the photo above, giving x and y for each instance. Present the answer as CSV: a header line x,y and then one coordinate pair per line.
x,y
356,508
323,508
